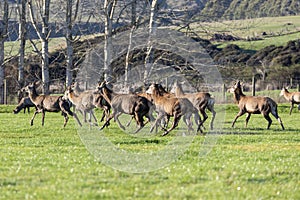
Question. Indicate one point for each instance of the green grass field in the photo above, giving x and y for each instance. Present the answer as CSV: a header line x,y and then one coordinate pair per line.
x,y
279,31
245,163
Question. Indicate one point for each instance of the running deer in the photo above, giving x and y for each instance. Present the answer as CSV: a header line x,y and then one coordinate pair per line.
x,y
254,105
292,97
97,100
167,107
130,104
201,100
47,103
25,103
187,117
84,103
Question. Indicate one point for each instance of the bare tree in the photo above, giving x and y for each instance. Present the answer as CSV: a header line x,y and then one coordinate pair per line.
x,y
133,13
43,9
152,29
109,8
3,37
22,38
70,18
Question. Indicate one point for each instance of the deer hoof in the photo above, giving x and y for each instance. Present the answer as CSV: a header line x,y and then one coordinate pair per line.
x,y
165,133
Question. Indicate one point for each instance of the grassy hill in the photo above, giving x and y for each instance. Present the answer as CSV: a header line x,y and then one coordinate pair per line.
x,y
254,34
239,9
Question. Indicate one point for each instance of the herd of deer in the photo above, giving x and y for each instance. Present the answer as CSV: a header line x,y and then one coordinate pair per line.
x,y
142,105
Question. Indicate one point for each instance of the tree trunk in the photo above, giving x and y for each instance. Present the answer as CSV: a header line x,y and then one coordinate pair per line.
x,y
45,47
3,36
45,67
69,41
44,38
127,61
133,13
1,71
109,11
22,38
152,29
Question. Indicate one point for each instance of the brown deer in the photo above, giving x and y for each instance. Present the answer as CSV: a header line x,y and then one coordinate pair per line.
x,y
130,104
47,103
201,100
292,97
83,103
167,107
151,110
25,103
97,100
254,105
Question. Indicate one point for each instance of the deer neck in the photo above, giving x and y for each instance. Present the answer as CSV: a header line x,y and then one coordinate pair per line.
x,y
156,95
75,99
288,95
33,95
238,95
108,95
179,91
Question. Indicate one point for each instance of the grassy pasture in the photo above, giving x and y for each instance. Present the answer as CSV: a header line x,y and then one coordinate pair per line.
x,y
246,163
279,31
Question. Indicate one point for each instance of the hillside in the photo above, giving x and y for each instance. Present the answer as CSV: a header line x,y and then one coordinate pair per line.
x,y
211,10
239,9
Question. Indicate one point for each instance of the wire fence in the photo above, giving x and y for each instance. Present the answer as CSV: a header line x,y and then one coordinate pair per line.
x,y
10,93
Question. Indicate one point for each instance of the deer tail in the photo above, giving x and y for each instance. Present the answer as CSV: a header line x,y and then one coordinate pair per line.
x,y
273,107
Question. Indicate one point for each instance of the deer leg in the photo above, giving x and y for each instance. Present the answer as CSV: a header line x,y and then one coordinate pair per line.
x,y
66,118
177,117
43,117
107,121
268,118
116,118
107,112
203,113
129,122
211,109
237,116
278,119
291,108
31,121
103,115
140,121
84,116
158,120
247,119
198,121
76,118
188,122
94,117
165,121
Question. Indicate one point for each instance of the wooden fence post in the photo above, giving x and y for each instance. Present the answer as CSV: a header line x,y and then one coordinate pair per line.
x,y
5,91
224,92
253,85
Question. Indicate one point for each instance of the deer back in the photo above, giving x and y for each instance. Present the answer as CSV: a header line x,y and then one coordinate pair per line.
x,y
51,103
